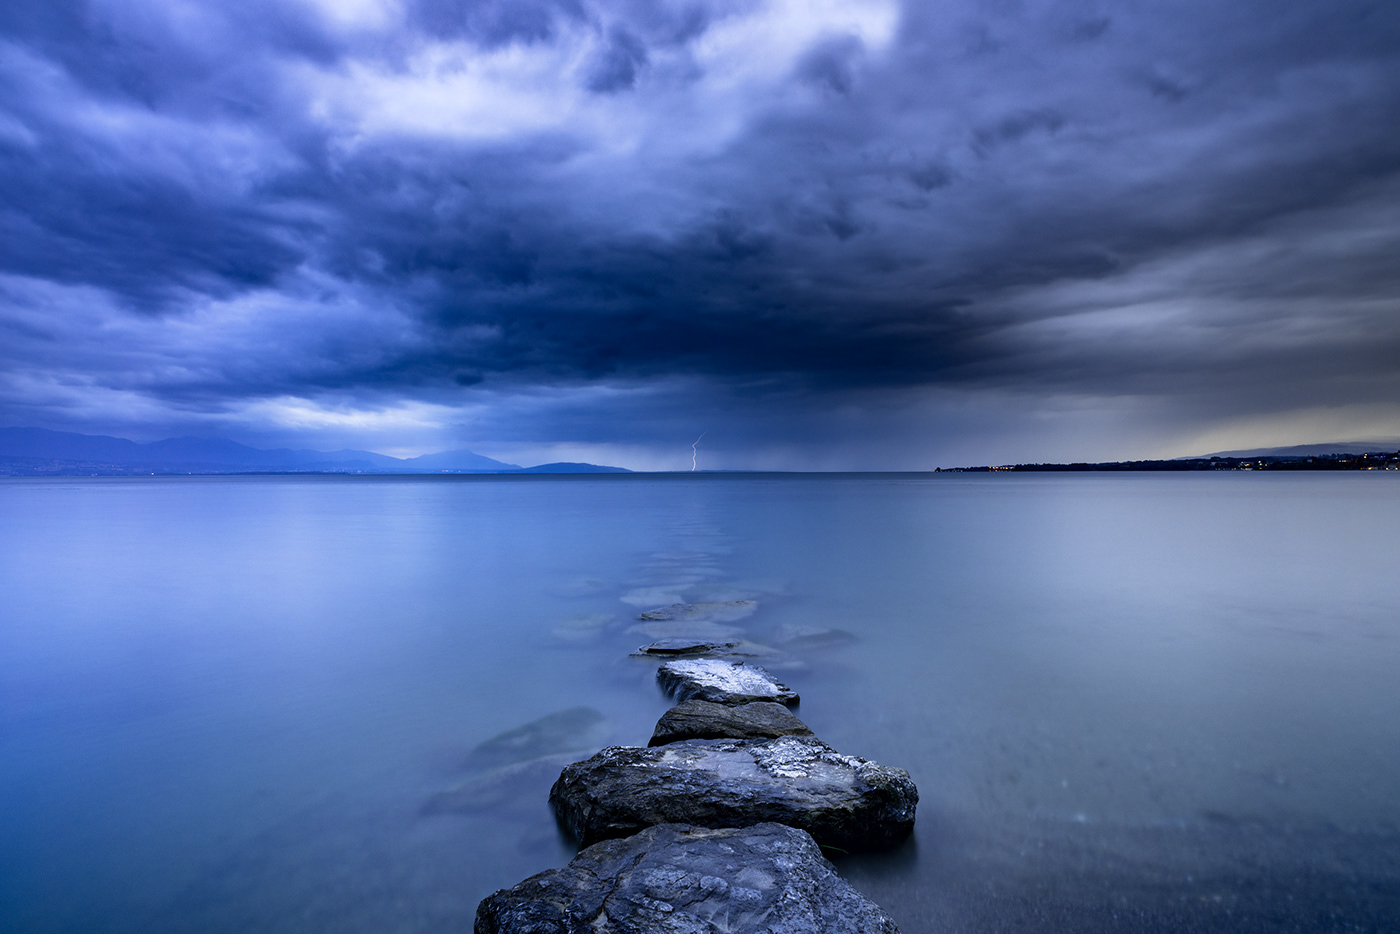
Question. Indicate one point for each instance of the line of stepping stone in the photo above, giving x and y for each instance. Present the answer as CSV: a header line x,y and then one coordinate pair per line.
x,y
716,825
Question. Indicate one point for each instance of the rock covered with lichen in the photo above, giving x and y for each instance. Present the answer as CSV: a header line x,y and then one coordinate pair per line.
x,y
842,801
676,878
697,719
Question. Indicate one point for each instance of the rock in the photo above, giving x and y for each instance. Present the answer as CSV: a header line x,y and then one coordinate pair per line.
x,y
842,801
569,730
511,789
697,719
581,629
692,646
686,648
651,596
693,629
722,682
675,878
810,637
729,611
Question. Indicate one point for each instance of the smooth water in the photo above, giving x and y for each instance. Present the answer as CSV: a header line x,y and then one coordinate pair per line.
x,y
1131,702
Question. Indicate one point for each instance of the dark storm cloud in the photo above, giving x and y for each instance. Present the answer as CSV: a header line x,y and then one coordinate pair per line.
x,y
211,206
493,23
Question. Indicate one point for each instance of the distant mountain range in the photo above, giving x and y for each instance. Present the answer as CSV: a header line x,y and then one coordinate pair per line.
x,y
40,452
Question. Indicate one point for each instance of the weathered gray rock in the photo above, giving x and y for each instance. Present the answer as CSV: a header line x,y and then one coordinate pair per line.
x,y
842,801
674,878
697,719
682,647
722,682
692,646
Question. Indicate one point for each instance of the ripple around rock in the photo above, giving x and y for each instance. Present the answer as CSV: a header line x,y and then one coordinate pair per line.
x,y
676,878
697,719
842,801
722,682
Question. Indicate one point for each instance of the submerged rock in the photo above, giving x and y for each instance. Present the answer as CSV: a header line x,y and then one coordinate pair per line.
x,y
697,719
693,629
511,769
676,878
651,596
515,789
693,646
578,630
564,731
842,801
795,635
728,611
722,682
681,647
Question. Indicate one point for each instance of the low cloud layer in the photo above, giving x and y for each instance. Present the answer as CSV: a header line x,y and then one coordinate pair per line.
x,y
846,234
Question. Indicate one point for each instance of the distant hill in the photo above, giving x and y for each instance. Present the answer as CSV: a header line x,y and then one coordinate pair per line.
x,y
1314,450
457,460
40,452
1367,460
571,467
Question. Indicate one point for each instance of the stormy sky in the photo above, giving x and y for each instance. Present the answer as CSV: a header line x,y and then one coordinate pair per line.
x,y
852,234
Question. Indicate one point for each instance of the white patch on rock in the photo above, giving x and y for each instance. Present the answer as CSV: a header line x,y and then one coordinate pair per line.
x,y
727,676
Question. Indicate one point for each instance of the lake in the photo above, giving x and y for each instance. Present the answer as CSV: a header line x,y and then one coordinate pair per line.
x,y
1131,702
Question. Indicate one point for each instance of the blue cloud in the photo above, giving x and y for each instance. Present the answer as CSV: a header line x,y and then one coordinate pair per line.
x,y
450,203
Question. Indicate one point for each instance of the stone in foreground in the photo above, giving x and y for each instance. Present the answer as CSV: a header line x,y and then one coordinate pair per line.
x,y
843,801
675,878
697,719
722,682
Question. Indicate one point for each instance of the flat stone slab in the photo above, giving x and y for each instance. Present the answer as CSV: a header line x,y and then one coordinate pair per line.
x,y
722,682
675,878
686,648
843,801
728,611
697,719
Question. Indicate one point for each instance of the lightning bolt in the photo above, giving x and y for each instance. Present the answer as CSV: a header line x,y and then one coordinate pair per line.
x,y
695,453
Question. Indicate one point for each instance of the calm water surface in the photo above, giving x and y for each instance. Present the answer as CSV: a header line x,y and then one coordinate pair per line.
x,y
1137,703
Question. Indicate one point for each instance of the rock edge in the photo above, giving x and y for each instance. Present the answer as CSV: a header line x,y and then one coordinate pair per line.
x,y
678,878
